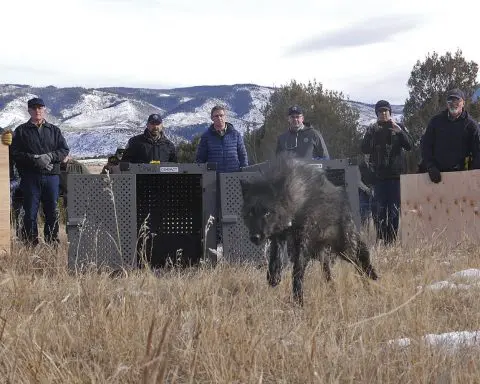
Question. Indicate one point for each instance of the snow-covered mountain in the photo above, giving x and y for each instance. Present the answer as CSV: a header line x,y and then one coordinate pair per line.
x,y
97,121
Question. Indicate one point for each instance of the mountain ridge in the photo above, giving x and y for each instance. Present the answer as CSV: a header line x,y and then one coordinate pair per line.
x,y
95,121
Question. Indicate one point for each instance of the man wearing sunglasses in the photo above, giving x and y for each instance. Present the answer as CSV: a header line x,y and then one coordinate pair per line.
x,y
451,141
301,140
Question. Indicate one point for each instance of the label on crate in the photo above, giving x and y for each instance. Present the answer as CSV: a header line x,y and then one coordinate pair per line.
x,y
169,169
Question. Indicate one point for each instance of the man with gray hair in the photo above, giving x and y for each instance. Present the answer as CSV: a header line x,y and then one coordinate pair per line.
x,y
451,141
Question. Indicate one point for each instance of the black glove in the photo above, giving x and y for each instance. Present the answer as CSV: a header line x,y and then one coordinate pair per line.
x,y
434,174
43,160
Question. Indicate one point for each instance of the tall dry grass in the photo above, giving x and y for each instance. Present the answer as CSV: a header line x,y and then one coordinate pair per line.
x,y
225,325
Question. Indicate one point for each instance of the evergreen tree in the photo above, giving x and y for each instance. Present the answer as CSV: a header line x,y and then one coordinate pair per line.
x,y
429,83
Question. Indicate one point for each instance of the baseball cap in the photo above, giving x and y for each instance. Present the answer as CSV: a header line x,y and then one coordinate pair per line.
x,y
457,93
154,118
295,110
35,101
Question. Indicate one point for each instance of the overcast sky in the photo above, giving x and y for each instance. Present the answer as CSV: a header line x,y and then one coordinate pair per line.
x,y
366,49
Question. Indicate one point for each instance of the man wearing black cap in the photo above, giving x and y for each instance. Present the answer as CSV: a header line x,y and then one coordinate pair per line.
x,y
385,141
113,163
151,145
451,141
38,148
301,140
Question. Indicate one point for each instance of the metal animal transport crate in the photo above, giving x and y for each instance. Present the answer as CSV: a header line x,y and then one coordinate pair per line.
x,y
237,246
153,213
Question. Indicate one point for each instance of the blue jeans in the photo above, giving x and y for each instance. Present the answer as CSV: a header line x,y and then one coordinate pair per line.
x,y
387,200
38,188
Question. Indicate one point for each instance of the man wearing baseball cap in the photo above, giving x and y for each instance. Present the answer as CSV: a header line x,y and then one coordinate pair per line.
x,y
451,141
301,140
151,145
38,148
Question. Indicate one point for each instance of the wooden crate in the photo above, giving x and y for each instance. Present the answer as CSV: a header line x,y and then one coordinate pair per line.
x,y
449,210
4,200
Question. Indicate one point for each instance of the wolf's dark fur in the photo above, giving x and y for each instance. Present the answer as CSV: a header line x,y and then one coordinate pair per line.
x,y
294,205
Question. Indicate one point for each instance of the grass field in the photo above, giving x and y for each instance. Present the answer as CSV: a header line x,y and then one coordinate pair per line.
x,y
225,325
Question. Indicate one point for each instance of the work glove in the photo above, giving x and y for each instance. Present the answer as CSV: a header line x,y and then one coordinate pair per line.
x,y
43,160
434,174
7,138
49,167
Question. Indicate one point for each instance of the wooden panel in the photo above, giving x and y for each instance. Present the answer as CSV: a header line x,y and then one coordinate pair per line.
x,y
449,210
4,201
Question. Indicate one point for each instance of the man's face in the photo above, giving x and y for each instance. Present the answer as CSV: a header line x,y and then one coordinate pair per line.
x,y
154,129
295,121
218,118
37,112
383,115
455,105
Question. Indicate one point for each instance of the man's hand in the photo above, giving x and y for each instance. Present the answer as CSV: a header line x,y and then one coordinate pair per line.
x,y
43,160
395,127
7,138
434,174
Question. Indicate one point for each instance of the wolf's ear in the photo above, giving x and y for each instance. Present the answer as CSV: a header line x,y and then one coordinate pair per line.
x,y
245,186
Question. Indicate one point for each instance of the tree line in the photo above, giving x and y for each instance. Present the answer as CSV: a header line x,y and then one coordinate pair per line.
x,y
337,120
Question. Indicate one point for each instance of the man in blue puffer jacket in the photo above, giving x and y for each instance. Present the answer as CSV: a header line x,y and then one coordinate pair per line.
x,y
222,144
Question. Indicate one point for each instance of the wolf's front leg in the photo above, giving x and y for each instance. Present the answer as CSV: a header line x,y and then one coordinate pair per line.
x,y
277,249
300,260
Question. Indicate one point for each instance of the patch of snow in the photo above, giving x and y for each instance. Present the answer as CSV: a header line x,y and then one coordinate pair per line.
x,y
468,278
450,341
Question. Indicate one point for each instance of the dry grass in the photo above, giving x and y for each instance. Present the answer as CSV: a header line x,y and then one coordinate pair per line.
x,y
225,325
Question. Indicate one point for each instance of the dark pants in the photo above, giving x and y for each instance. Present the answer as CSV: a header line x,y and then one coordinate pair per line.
x,y
38,188
387,200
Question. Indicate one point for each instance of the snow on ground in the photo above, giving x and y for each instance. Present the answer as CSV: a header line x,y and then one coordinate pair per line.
x,y
450,341
462,280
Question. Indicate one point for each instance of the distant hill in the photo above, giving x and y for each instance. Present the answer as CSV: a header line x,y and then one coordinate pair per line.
x,y
96,121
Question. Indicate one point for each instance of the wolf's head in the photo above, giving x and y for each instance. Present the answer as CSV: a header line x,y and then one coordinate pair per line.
x,y
264,210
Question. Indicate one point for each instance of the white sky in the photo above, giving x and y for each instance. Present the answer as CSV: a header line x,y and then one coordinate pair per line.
x,y
366,49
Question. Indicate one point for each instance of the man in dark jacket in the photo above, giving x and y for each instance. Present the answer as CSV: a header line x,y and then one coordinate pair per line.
x,y
151,145
384,142
113,163
451,139
38,148
301,140
222,144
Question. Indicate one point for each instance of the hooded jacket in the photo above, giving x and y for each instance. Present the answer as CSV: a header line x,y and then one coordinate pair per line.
x,y
306,143
144,149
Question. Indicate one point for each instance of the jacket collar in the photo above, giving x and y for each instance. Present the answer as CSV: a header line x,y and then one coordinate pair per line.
x,y
228,128
29,123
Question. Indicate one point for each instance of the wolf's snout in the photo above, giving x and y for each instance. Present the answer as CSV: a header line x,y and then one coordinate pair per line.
x,y
256,239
